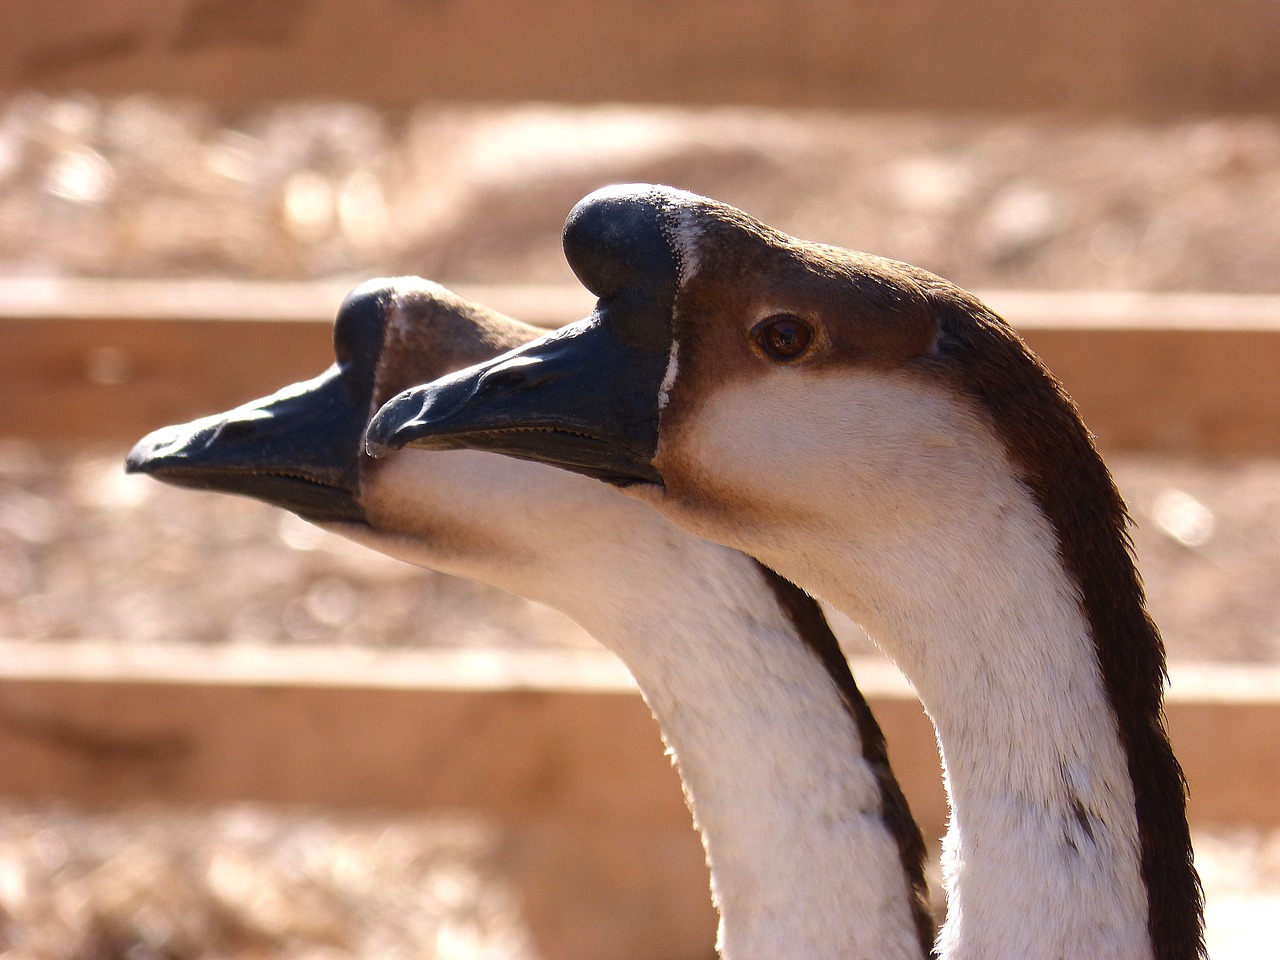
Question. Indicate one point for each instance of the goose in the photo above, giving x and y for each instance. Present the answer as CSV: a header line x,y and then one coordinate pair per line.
x,y
812,849
882,439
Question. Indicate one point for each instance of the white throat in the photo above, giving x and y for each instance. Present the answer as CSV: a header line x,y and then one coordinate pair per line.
x,y
1042,856
802,862
920,530
803,865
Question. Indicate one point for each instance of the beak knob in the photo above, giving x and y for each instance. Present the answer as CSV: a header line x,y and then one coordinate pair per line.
x,y
618,243
614,239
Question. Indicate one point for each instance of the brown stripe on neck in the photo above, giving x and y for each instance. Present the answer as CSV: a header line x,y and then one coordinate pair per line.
x,y
811,626
1048,442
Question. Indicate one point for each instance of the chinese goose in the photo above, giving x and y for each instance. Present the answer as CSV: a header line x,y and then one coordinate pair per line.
x,y
812,848
878,436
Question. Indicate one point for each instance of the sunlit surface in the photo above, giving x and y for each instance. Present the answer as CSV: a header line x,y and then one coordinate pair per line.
x,y
142,187
88,552
248,882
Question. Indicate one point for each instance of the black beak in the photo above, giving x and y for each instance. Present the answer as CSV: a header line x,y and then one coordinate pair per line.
x,y
585,398
576,399
298,449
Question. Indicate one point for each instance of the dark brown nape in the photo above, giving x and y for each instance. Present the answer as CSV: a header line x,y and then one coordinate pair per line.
x,y
1050,445
811,625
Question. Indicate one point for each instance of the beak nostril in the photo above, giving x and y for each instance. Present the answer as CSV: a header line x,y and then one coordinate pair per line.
x,y
235,430
500,380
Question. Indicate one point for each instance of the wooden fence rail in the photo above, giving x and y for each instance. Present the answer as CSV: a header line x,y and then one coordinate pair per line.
x,y
1146,57
555,750
111,360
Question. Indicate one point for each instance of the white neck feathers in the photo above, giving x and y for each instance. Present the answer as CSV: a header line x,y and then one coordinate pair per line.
x,y
915,524
803,864
1043,856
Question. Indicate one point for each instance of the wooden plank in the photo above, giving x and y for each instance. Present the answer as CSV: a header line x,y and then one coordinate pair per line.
x,y
1183,373
509,736
595,841
556,751
383,732
111,360
278,301
1203,392
1149,57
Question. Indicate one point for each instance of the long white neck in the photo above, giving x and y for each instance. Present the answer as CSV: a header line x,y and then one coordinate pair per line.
x,y
802,861
804,864
1042,858
892,496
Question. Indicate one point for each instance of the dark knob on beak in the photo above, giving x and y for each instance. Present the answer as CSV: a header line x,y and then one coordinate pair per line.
x,y
614,240
360,328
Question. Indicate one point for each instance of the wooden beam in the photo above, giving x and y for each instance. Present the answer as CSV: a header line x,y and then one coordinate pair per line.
x,y
594,838
1099,56
111,360
557,751
270,301
510,736
1185,373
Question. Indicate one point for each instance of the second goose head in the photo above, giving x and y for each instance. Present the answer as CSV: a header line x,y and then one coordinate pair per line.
x,y
812,848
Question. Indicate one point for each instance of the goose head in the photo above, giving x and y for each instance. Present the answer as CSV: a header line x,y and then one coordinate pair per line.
x,y
301,448
729,365
811,843
542,533
596,382
294,448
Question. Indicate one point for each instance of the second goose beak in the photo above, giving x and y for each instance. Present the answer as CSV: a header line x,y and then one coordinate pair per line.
x,y
577,399
296,449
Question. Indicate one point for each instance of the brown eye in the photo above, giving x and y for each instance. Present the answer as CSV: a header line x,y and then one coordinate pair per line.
x,y
782,336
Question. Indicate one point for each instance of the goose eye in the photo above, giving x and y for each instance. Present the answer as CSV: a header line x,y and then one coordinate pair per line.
x,y
782,336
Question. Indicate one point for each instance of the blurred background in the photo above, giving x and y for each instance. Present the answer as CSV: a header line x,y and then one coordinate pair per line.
x,y
189,187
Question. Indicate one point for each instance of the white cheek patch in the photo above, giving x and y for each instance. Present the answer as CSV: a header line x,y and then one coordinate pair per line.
x,y
669,378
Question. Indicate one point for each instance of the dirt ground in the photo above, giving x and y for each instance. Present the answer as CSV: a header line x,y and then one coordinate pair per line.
x,y
246,883
252,884
89,553
143,188
139,187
